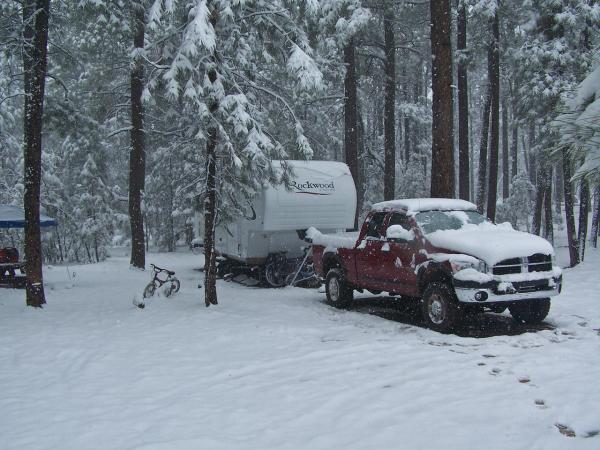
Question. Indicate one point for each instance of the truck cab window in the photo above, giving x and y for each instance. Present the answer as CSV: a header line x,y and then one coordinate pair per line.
x,y
375,225
400,219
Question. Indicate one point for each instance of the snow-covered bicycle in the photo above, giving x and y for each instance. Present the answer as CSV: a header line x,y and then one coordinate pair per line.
x,y
171,281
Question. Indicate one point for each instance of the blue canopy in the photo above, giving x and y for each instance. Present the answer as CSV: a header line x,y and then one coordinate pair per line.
x,y
14,217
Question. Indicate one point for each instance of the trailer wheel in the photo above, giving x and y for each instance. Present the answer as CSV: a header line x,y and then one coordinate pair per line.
x,y
339,293
275,270
223,268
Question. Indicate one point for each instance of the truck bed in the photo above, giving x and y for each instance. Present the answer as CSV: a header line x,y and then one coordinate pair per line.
x,y
332,241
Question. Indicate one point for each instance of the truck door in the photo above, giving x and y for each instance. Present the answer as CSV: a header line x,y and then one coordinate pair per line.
x,y
397,260
369,251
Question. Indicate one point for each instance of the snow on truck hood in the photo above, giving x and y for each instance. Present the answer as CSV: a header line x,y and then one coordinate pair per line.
x,y
490,242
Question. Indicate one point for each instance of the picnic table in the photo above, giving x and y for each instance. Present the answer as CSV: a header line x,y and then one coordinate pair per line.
x,y
14,217
9,277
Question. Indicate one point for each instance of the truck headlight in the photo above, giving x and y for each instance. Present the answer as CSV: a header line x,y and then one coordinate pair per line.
x,y
479,266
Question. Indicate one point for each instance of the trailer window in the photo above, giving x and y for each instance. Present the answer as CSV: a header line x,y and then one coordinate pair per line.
x,y
375,224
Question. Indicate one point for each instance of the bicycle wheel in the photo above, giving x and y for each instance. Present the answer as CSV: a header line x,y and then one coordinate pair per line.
x,y
149,290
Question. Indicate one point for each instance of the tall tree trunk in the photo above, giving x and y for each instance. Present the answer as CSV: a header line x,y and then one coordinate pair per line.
x,y
514,150
362,161
170,204
531,153
442,151
494,77
137,154
483,152
463,103
526,157
210,200
539,200
472,136
505,156
350,117
558,197
569,216
408,130
415,129
584,209
595,217
389,177
210,215
548,221
36,14
96,254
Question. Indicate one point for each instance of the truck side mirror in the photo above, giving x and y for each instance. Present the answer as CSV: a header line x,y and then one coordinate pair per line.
x,y
396,233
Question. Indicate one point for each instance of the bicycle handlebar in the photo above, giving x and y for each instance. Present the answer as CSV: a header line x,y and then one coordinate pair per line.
x,y
158,269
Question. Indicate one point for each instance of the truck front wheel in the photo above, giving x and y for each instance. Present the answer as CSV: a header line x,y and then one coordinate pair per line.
x,y
530,311
440,307
339,293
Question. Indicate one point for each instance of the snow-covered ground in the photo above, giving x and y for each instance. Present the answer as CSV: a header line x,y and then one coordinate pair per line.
x,y
280,369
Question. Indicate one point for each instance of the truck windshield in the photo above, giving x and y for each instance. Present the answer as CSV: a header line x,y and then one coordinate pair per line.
x,y
430,221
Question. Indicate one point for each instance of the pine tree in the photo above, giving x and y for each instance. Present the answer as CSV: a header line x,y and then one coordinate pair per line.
x,y
137,155
36,14
442,151
389,118
494,78
463,102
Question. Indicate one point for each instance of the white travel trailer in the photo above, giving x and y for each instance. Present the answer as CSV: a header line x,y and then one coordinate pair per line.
x,y
322,194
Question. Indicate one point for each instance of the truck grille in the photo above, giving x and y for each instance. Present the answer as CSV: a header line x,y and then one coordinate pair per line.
x,y
534,263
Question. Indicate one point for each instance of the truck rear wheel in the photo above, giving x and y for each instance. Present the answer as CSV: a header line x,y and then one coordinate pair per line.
x,y
530,311
440,307
339,293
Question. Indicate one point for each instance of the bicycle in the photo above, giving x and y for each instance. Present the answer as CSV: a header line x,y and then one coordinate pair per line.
x,y
157,282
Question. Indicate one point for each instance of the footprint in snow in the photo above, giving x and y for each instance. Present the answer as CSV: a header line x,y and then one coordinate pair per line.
x,y
524,380
439,344
495,371
565,430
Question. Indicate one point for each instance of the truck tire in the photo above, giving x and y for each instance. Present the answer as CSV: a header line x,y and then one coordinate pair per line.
x,y
339,293
530,311
440,307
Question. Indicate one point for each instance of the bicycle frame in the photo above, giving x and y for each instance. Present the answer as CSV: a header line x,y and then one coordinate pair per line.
x,y
157,271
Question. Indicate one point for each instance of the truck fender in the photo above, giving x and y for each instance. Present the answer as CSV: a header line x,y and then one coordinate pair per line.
x,y
432,271
331,260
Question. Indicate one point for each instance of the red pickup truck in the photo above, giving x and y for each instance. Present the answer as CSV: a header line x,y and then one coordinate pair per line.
x,y
444,252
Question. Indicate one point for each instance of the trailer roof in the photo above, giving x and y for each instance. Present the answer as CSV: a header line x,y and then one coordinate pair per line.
x,y
425,204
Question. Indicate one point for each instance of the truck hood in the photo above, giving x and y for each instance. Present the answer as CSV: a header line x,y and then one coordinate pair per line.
x,y
490,243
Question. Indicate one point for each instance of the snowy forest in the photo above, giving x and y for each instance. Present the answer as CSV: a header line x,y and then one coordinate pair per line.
x,y
120,118
395,205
